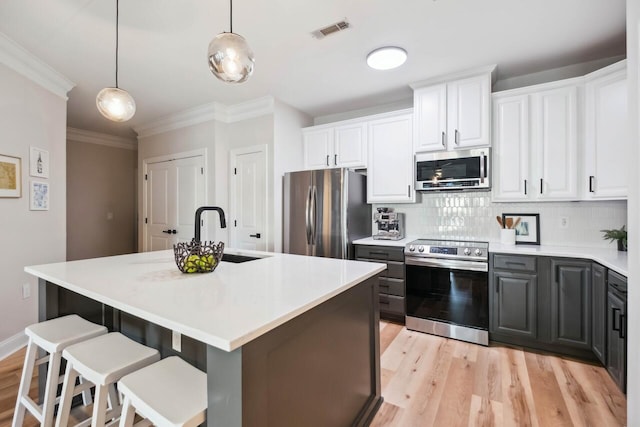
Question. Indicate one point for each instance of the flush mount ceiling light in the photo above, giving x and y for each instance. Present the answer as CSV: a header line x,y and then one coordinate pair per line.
x,y
386,58
114,103
230,57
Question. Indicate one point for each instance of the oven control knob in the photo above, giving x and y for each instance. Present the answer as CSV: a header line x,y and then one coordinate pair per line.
x,y
420,248
412,248
467,251
478,252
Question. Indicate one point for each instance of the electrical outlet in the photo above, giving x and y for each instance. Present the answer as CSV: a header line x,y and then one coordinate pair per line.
x,y
564,222
176,341
26,290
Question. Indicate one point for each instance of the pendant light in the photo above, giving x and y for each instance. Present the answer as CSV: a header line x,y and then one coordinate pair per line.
x,y
114,103
230,57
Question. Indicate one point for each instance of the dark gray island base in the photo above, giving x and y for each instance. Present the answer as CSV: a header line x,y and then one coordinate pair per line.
x,y
321,368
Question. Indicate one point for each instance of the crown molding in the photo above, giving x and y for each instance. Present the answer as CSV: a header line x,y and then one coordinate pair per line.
x,y
80,135
28,65
205,113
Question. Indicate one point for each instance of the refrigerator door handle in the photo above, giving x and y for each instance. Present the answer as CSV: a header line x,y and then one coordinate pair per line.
x,y
307,218
314,214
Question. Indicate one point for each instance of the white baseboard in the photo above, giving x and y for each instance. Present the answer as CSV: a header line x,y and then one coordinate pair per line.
x,y
12,344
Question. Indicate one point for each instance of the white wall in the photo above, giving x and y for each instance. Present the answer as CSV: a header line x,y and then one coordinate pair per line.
x,y
633,302
29,116
288,156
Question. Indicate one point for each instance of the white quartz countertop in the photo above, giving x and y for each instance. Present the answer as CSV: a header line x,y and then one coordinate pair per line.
x,y
226,308
610,258
373,242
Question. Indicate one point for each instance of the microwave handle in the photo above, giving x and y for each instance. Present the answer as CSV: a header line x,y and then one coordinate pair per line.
x,y
483,160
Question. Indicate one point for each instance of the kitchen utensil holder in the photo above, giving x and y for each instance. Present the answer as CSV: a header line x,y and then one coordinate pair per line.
x,y
508,236
198,257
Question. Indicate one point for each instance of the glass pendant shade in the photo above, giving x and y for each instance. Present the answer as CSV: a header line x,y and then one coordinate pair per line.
x,y
115,104
230,58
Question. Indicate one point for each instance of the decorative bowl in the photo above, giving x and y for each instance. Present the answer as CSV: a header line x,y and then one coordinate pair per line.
x,y
198,257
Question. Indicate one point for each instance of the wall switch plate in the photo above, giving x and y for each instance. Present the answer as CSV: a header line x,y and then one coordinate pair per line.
x,y
26,290
176,341
564,222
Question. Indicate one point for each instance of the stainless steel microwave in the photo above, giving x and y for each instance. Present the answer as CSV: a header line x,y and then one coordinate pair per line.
x,y
453,170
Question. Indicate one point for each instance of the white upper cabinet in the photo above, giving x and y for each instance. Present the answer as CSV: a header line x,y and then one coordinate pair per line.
x,y
330,146
511,180
454,114
535,145
390,175
554,139
606,134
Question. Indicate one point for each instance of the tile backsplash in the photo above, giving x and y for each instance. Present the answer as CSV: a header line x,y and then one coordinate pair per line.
x,y
472,216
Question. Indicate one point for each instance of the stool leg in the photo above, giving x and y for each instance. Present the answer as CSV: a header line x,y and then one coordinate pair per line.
x,y
100,406
86,395
68,385
25,384
51,389
128,413
114,400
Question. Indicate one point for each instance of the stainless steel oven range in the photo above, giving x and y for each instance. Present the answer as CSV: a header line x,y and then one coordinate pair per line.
x,y
447,289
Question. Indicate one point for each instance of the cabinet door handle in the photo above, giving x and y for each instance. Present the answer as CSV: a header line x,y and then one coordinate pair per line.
x,y
335,159
591,184
384,254
456,137
540,185
622,332
525,187
614,310
444,139
497,286
409,190
516,263
327,160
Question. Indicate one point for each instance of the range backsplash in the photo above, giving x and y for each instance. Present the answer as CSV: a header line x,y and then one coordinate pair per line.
x,y
472,216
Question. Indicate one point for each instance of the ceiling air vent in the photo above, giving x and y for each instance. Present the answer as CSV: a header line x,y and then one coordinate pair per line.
x,y
333,28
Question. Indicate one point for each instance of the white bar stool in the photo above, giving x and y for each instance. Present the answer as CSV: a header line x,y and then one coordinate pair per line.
x,y
168,393
52,336
102,361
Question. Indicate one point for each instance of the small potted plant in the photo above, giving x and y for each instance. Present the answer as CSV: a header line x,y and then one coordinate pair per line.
x,y
619,235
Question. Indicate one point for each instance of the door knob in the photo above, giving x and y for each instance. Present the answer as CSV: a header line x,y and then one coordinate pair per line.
x,y
174,231
166,231
257,235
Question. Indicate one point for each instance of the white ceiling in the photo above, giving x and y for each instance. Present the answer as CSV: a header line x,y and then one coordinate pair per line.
x,y
163,45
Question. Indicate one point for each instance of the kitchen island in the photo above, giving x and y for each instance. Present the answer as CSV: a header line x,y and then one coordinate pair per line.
x,y
284,339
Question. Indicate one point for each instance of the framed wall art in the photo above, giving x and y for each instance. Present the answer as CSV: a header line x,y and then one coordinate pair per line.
x,y
39,196
39,163
527,229
10,176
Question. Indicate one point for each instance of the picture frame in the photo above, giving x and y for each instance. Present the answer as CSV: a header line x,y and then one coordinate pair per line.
x,y
39,162
527,230
39,196
10,176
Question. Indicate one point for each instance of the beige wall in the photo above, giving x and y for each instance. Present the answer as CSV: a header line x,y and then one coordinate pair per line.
x,y
101,180
29,116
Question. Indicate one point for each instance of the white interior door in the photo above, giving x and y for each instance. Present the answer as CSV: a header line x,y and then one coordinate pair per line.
x,y
248,197
174,190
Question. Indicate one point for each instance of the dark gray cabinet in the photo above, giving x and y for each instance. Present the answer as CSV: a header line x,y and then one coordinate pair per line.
x,y
617,328
392,280
513,301
598,312
571,303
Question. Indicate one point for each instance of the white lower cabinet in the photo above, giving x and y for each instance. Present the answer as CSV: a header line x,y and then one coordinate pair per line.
x,y
535,153
390,175
606,134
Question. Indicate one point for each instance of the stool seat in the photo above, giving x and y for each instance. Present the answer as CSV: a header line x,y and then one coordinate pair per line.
x,y
168,393
56,334
107,358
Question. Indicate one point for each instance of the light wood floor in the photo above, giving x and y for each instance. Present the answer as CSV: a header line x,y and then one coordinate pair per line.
x,y
431,381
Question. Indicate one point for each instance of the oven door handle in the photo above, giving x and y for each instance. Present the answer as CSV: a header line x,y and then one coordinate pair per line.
x,y
447,263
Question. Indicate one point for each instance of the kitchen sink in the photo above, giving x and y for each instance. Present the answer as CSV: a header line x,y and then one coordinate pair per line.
x,y
236,259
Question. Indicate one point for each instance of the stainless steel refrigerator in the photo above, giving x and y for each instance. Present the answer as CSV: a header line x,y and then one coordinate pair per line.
x,y
324,212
